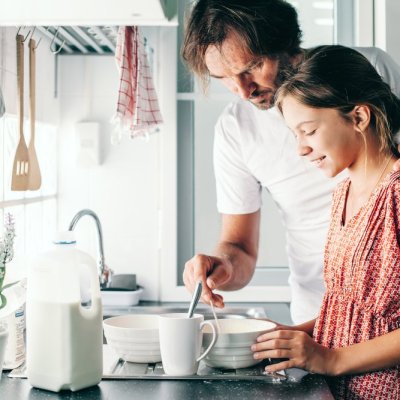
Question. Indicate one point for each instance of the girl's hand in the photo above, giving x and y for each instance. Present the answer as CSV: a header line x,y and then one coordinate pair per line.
x,y
298,348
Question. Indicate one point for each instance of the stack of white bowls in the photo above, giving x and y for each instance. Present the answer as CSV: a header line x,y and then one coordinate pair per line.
x,y
134,338
233,347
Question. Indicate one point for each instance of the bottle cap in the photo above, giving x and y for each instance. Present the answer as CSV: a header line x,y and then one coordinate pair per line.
x,y
64,237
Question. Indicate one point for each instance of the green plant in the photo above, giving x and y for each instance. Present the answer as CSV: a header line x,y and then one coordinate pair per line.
x,y
6,254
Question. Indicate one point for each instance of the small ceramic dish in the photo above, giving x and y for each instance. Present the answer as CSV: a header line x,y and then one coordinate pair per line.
x,y
121,298
134,338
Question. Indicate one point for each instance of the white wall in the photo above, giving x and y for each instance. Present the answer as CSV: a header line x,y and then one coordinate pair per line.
x,y
133,189
124,189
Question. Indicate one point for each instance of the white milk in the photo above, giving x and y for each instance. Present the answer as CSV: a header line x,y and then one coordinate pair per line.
x,y
64,339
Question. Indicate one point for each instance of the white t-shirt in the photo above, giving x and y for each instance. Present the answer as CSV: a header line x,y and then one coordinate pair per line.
x,y
254,149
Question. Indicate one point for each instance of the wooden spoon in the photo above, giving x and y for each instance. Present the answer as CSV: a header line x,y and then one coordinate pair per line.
x,y
34,176
19,179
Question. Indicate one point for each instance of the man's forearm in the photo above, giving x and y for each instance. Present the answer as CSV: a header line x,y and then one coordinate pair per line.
x,y
243,264
237,249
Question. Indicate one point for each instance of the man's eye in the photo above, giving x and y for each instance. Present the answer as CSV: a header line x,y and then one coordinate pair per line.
x,y
258,65
252,68
248,72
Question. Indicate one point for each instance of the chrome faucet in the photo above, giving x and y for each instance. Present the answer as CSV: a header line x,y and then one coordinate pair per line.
x,y
105,273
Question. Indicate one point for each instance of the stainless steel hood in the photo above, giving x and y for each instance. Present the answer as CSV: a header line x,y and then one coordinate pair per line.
x,y
88,12
83,40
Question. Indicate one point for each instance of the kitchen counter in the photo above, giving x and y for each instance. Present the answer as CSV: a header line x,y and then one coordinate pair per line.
x,y
311,386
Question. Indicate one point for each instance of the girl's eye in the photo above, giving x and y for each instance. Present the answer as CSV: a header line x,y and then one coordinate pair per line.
x,y
310,133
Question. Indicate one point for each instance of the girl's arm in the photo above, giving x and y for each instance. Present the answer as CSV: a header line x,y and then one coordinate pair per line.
x,y
303,352
307,327
378,353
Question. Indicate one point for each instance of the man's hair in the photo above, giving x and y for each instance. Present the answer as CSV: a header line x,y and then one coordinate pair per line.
x,y
267,28
341,78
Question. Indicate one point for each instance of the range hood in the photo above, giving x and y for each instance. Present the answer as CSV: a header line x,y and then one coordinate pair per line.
x,y
88,12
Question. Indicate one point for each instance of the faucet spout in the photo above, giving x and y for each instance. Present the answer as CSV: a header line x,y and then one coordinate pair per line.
x,y
104,271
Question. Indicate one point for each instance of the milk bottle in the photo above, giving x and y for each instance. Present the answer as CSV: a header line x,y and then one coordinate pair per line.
x,y
64,338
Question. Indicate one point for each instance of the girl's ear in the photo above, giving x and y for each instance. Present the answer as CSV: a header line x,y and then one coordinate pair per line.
x,y
361,117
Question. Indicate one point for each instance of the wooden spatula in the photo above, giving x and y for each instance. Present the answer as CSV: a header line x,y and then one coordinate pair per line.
x,y
19,179
34,177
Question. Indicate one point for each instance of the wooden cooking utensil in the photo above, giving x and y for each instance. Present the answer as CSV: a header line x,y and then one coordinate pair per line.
x,y
19,179
34,176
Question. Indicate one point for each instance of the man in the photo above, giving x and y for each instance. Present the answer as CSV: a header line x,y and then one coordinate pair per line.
x,y
249,45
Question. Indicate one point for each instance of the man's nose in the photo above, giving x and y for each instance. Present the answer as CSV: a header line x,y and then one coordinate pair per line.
x,y
244,86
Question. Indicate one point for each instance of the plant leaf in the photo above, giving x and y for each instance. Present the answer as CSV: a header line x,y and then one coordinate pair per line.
x,y
9,285
3,301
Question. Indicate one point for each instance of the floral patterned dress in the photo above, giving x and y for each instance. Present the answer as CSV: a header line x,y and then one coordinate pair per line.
x,y
362,276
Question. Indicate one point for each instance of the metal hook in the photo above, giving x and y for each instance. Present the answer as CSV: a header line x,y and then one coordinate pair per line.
x,y
37,44
22,35
52,41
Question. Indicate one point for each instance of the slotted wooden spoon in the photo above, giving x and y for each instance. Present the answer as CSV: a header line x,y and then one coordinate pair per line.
x,y
34,176
19,179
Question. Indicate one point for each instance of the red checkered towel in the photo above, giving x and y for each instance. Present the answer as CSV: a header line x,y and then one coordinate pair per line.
x,y
137,112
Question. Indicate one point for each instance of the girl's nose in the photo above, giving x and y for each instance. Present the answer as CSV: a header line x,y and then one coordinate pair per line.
x,y
303,149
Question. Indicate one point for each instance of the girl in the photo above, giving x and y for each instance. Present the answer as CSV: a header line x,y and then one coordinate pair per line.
x,y
345,117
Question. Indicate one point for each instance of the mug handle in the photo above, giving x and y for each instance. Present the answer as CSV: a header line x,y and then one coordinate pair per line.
x,y
214,339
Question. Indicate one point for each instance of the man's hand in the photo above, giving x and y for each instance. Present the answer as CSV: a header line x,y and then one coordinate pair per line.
x,y
212,271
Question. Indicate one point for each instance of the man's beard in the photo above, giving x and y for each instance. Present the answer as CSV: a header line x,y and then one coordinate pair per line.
x,y
285,69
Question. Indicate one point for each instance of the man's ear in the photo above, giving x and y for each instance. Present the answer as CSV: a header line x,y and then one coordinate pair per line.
x,y
361,117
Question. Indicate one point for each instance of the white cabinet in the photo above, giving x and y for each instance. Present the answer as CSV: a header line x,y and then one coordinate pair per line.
x,y
88,12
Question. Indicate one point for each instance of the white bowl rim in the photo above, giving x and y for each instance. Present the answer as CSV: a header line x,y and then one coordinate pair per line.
x,y
242,326
180,316
149,322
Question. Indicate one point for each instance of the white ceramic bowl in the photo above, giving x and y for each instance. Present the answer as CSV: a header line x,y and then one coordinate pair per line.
x,y
134,338
230,358
231,351
235,337
231,363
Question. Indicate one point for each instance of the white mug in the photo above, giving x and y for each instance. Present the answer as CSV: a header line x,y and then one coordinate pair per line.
x,y
180,342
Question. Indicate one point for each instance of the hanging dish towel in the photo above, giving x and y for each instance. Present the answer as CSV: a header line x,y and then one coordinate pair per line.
x,y
138,112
